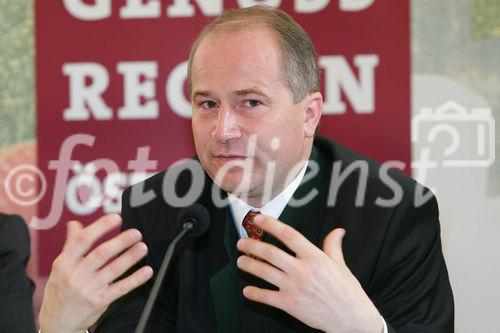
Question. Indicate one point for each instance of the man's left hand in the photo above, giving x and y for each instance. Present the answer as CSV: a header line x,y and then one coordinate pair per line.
x,y
315,286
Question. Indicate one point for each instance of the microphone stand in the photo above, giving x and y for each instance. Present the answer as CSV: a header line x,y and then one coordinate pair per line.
x,y
186,227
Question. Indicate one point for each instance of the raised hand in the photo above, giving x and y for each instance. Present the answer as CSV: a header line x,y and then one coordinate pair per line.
x,y
315,286
82,282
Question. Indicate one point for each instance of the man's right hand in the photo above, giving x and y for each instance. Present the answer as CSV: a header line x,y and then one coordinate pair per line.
x,y
82,284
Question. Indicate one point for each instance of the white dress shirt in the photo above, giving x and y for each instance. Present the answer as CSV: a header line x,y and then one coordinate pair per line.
x,y
273,208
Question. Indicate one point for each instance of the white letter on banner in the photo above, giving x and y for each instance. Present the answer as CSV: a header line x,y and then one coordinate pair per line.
x,y
248,3
138,9
175,91
338,75
355,5
183,8
135,88
82,98
310,6
79,9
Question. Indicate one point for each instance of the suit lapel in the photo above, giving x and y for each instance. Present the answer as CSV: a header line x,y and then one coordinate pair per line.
x,y
225,285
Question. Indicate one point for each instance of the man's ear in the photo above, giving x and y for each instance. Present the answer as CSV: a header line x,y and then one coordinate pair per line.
x,y
314,109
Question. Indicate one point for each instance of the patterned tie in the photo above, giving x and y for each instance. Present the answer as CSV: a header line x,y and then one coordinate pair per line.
x,y
252,230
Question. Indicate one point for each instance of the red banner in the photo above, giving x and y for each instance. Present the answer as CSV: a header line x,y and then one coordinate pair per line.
x,y
112,106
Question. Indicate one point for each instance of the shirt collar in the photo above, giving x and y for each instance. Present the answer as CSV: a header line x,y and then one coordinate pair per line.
x,y
273,208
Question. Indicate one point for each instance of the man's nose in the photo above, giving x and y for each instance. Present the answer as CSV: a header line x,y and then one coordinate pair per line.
x,y
227,128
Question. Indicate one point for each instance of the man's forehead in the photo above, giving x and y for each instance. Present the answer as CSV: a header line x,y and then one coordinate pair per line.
x,y
251,90
256,41
246,59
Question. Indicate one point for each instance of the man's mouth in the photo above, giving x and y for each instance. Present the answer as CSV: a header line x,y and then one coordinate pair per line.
x,y
228,157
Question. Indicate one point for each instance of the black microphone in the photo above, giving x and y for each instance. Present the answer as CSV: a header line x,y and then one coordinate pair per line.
x,y
193,221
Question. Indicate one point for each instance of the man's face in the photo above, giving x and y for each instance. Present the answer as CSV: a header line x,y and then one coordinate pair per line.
x,y
238,95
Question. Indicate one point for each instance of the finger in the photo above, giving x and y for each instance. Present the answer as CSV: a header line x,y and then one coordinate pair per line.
x,y
107,250
270,253
262,270
126,285
120,265
72,229
265,296
81,243
332,245
293,239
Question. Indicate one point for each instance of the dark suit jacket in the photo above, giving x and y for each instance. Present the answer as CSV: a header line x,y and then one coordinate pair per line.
x,y
394,252
16,289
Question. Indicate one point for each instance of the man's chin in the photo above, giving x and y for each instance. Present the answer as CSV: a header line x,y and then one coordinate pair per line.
x,y
234,187
247,192
233,184
231,180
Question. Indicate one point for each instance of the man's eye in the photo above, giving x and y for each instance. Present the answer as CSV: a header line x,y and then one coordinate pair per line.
x,y
251,103
208,104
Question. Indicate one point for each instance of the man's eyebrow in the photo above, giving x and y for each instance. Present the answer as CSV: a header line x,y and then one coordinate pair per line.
x,y
249,91
242,92
201,93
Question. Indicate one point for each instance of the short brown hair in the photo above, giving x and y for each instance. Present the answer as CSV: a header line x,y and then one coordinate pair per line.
x,y
299,58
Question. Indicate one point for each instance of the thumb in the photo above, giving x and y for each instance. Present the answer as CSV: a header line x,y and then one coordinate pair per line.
x,y
72,229
332,245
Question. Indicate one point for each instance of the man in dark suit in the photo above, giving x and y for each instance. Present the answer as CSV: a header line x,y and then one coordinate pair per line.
x,y
16,288
393,252
274,258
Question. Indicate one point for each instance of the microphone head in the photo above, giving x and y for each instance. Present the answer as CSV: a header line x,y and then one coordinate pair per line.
x,y
198,216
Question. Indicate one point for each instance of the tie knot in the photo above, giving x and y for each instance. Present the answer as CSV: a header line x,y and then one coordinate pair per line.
x,y
252,230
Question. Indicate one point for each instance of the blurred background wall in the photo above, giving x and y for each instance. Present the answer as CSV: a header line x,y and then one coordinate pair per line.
x,y
455,56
